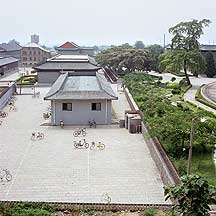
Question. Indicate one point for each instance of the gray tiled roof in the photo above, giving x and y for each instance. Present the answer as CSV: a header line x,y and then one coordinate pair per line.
x,y
10,46
69,87
7,60
72,66
69,63
36,46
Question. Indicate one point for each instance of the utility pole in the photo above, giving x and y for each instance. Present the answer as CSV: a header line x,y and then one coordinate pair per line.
x,y
164,41
190,148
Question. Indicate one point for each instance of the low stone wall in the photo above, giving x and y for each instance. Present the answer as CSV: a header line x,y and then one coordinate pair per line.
x,y
130,100
167,170
61,206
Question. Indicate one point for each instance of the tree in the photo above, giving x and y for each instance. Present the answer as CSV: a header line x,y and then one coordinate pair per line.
x,y
192,196
124,59
184,53
139,45
155,51
176,60
210,65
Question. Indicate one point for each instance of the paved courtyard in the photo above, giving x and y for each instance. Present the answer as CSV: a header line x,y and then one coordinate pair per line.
x,y
52,170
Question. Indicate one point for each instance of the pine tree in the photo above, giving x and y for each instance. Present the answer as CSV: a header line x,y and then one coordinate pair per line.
x,y
210,65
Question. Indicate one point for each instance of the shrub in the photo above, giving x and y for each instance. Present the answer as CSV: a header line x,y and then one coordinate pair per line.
x,y
31,211
172,85
183,83
173,79
202,100
176,91
150,212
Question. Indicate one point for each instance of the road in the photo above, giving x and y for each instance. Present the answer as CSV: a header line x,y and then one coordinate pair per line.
x,y
190,94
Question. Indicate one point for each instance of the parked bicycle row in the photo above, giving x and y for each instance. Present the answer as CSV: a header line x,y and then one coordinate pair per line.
x,y
77,144
83,144
91,123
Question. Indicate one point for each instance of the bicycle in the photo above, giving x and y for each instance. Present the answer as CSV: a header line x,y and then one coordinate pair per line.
x,y
6,175
105,197
36,95
61,124
3,114
79,131
81,144
99,146
37,136
92,123
13,98
46,115
12,108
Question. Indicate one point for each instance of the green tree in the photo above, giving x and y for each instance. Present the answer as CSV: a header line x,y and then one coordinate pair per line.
x,y
155,51
139,45
192,196
210,65
124,59
184,53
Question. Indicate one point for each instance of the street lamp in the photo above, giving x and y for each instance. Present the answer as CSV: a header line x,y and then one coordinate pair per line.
x,y
202,119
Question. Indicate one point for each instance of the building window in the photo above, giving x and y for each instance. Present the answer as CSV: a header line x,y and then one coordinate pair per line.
x,y
30,58
96,106
35,59
30,52
24,58
24,53
67,106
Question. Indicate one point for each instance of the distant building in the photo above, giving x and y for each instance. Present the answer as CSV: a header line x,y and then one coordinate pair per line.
x,y
70,48
35,38
12,49
7,65
33,54
77,99
49,71
208,48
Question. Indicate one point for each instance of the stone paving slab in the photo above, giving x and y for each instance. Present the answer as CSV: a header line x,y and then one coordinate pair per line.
x,y
52,170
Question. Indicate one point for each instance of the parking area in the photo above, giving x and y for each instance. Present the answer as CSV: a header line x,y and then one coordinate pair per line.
x,y
53,170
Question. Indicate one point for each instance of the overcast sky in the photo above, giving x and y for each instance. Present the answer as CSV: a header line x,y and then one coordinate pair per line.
x,y
90,22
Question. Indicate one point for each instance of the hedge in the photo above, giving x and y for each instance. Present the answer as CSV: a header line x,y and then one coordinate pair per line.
x,y
199,98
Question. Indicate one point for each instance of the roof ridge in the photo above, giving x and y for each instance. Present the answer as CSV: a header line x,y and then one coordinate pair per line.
x,y
50,94
99,80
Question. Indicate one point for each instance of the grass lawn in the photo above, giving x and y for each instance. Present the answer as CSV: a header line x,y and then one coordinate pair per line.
x,y
202,164
27,80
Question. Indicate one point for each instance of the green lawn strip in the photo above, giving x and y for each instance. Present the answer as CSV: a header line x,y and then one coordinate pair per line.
x,y
201,163
201,99
27,80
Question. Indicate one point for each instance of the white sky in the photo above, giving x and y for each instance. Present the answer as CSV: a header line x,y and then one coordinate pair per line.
x,y
96,22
